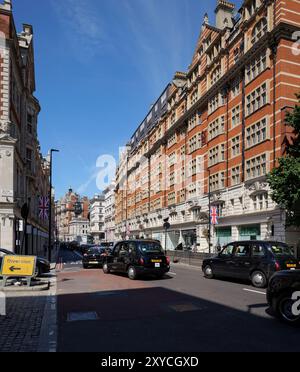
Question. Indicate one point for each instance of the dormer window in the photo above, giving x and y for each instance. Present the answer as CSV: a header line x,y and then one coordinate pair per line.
x,y
252,7
259,30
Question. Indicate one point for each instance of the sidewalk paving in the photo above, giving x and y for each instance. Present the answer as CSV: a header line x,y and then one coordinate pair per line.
x,y
20,328
28,318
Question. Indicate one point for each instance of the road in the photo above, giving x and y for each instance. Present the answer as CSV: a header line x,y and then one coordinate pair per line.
x,y
182,313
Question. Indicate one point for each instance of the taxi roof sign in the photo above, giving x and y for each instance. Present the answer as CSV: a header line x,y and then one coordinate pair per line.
x,y
18,266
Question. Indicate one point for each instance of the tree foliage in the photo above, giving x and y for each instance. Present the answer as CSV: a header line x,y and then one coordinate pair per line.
x,y
285,180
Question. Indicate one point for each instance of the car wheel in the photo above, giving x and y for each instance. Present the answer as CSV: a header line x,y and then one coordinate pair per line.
x,y
284,309
208,272
105,269
132,273
259,279
85,267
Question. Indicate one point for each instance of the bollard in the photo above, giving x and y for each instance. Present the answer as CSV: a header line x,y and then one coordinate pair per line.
x,y
2,304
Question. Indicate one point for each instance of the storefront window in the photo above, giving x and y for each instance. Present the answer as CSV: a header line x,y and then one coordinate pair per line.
x,y
224,236
252,232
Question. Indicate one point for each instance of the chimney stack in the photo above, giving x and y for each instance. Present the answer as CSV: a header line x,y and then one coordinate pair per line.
x,y
224,14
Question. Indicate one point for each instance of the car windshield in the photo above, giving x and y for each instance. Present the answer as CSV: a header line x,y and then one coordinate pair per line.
x,y
106,245
151,247
281,250
96,250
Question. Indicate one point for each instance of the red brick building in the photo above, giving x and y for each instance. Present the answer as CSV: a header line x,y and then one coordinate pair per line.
x,y
24,172
223,125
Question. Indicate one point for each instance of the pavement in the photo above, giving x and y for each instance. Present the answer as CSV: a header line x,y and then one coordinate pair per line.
x,y
182,313
30,318
20,328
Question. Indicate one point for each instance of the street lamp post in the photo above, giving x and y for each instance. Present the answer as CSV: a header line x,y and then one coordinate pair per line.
x,y
209,211
50,206
166,227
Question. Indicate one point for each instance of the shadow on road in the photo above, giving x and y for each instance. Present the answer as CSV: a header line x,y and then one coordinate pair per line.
x,y
162,320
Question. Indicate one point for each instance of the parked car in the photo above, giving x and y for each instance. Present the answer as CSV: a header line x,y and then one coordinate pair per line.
x,y
42,265
138,258
95,256
283,298
254,260
85,247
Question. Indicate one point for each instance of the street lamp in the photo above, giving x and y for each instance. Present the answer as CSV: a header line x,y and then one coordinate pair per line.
x,y
50,206
209,212
166,227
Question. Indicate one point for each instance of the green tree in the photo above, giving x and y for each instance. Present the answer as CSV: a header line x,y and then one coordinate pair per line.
x,y
285,180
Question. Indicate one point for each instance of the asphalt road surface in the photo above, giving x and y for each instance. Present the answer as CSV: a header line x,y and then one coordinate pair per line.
x,y
182,313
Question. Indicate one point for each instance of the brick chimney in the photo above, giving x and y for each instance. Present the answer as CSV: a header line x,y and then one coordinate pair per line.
x,y
224,14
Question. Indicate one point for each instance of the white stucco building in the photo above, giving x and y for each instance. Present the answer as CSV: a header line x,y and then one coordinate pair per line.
x,y
110,207
97,219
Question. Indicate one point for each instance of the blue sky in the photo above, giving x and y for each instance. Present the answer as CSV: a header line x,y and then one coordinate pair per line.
x,y
99,66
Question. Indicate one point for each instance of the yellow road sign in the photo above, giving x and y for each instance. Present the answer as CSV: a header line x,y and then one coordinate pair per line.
x,y
18,266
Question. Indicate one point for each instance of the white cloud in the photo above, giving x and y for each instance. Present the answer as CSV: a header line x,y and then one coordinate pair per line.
x,y
82,26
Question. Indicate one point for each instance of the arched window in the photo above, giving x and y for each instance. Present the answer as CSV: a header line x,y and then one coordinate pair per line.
x,y
259,30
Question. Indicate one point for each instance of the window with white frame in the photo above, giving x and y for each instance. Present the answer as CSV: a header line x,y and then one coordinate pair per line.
x,y
172,179
192,122
251,7
173,118
217,155
194,97
235,116
182,194
172,140
216,128
215,76
256,133
260,201
256,67
214,103
217,181
260,29
235,146
192,190
257,99
235,88
172,159
172,198
195,143
192,167
235,176
256,167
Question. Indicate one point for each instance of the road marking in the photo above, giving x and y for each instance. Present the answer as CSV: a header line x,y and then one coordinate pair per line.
x,y
183,308
172,274
253,291
82,316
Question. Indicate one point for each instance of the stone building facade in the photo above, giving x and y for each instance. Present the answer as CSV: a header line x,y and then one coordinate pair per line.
x,y
221,128
97,211
24,173
71,207
109,213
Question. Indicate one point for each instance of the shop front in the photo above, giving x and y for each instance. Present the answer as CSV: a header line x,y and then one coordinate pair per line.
x,y
250,232
224,236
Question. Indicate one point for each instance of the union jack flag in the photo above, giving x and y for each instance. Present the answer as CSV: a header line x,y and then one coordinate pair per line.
x,y
214,216
44,208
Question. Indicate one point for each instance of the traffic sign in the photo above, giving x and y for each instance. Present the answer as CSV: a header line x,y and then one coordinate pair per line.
x,y
18,266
